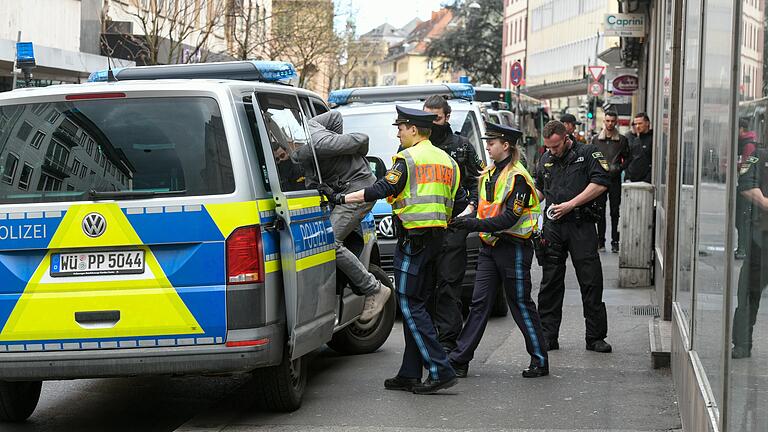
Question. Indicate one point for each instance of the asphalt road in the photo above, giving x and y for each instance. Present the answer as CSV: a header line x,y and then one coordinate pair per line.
x,y
586,390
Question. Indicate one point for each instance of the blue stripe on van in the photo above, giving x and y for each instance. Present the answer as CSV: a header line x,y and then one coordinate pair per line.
x,y
16,269
197,226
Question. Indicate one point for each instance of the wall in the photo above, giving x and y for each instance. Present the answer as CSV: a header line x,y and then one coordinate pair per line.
x,y
58,27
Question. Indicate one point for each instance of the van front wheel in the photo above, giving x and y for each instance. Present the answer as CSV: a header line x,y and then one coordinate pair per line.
x,y
18,400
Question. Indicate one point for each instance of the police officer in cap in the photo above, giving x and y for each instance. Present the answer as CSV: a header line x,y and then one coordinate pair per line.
x,y
507,218
570,123
570,178
421,186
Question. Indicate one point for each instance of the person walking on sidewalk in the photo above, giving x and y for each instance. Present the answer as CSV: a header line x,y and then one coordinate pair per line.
x,y
570,179
507,217
344,168
421,186
639,167
615,149
445,303
570,123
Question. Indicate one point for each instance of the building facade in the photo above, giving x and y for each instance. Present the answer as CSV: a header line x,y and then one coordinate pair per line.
x,y
515,35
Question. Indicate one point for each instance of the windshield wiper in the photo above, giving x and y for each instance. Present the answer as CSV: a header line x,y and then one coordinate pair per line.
x,y
94,194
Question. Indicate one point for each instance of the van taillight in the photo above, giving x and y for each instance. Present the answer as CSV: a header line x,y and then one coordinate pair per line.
x,y
244,256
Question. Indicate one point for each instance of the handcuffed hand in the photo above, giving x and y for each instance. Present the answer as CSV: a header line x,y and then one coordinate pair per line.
x,y
330,194
467,223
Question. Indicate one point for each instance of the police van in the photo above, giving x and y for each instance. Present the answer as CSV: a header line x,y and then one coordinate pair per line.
x,y
153,223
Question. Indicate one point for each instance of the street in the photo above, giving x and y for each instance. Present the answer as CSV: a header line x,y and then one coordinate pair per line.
x,y
585,391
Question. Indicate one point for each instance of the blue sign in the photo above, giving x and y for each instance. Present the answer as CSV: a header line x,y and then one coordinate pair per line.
x,y
25,53
516,74
464,79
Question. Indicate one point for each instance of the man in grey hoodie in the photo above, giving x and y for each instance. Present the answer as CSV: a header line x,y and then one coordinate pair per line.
x,y
344,169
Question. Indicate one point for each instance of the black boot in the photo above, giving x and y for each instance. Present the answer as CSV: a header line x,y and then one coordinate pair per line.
x,y
600,346
535,371
430,386
461,369
400,383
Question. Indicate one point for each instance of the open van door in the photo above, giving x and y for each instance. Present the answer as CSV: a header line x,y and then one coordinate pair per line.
x,y
307,247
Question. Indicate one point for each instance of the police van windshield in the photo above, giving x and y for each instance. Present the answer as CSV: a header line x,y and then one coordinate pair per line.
x,y
116,148
383,136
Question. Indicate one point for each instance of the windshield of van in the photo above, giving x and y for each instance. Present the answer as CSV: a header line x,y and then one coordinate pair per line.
x,y
116,148
383,136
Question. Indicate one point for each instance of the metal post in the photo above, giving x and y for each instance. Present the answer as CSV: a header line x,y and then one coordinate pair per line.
x,y
15,57
519,116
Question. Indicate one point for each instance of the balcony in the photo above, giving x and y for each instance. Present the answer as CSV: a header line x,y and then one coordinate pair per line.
x,y
57,167
65,137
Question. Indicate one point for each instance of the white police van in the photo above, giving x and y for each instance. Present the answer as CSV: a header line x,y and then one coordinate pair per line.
x,y
153,223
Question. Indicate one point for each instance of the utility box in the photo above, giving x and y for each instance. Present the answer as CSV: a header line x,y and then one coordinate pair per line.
x,y
636,251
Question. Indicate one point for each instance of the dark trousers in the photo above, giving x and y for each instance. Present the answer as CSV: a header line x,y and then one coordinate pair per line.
x,y
414,264
580,241
508,265
752,281
613,194
445,302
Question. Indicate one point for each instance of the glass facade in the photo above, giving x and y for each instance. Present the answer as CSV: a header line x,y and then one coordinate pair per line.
x,y
720,151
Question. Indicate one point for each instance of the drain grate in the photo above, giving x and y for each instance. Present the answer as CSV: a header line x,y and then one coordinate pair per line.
x,y
646,310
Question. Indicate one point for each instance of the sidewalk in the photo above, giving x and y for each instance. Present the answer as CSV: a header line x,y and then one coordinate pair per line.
x,y
586,391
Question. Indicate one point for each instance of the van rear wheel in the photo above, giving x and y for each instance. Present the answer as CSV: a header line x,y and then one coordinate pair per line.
x,y
281,387
364,337
18,400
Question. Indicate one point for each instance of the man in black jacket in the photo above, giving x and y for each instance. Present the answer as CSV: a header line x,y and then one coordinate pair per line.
x,y
445,304
640,150
615,150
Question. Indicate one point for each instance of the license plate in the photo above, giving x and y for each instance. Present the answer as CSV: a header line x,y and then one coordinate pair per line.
x,y
97,263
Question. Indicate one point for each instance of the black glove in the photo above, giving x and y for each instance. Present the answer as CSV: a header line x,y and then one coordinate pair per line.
x,y
467,223
330,194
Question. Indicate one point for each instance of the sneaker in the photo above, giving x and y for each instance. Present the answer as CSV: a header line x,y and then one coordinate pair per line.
x,y
430,386
461,369
600,346
740,352
375,302
400,383
615,247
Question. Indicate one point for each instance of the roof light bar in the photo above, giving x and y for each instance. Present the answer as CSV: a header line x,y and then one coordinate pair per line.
x,y
400,93
249,70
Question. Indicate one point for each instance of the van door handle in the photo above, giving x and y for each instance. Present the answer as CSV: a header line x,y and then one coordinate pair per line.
x,y
97,319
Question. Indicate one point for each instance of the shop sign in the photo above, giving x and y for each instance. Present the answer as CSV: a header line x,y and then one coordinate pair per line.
x,y
625,84
624,25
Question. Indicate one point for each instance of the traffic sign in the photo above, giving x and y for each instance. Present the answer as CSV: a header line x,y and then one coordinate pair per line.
x,y
516,74
596,88
596,72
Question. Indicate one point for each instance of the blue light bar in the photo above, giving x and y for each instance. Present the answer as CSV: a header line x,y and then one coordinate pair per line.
x,y
25,53
461,90
339,97
249,70
400,93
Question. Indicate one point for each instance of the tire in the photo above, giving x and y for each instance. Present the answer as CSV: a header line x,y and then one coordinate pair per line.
x,y
500,307
281,387
367,337
18,400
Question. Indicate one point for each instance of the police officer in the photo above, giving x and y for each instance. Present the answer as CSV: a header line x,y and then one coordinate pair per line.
x,y
445,303
753,277
570,179
421,186
507,218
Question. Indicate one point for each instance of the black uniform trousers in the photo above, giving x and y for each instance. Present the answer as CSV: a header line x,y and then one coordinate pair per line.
x,y
753,278
613,194
414,265
445,302
578,239
506,264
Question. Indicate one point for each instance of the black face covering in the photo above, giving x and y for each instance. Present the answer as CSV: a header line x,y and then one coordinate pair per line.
x,y
440,133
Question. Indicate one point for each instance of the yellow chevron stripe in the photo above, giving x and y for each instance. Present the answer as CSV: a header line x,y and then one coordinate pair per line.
x,y
302,203
315,260
272,266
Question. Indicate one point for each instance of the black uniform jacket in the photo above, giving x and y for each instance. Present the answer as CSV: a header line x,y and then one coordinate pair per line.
x,y
562,179
470,166
753,174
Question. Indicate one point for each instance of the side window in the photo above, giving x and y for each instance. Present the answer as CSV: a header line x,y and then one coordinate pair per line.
x,y
471,130
319,106
305,107
288,139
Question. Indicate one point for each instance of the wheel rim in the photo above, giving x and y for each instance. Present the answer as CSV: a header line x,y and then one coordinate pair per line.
x,y
296,375
363,329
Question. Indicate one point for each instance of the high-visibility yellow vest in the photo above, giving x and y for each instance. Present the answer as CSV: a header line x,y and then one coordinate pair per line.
x,y
433,179
529,219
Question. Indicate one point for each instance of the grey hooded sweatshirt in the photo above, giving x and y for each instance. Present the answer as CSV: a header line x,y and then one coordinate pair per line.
x,y
341,156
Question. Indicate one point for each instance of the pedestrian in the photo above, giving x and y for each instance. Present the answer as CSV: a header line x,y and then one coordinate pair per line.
x,y
344,168
753,277
421,186
615,150
445,302
570,179
570,123
507,218
747,146
639,167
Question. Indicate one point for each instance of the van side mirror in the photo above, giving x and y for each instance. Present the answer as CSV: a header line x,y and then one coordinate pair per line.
x,y
377,166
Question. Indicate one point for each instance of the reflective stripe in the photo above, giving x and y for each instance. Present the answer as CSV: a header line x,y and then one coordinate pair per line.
x,y
412,217
521,305
527,223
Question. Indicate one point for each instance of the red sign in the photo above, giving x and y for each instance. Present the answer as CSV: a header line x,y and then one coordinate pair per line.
x,y
596,72
516,74
625,84
596,88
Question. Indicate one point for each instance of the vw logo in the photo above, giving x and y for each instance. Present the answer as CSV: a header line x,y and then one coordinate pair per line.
x,y
94,224
385,227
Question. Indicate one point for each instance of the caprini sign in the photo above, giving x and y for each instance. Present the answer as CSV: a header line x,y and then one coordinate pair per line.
x,y
625,25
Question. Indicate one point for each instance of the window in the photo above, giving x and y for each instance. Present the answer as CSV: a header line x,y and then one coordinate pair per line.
x,y
83,171
97,156
53,116
9,169
39,109
319,106
24,130
57,153
37,139
89,147
48,183
70,187
76,166
26,176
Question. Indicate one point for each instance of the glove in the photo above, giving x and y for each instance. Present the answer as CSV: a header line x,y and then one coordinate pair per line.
x,y
467,223
467,211
330,194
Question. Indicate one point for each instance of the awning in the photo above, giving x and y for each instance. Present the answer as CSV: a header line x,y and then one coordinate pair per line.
x,y
558,89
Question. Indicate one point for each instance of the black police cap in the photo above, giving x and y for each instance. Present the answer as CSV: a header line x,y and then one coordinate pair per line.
x,y
493,130
569,118
414,117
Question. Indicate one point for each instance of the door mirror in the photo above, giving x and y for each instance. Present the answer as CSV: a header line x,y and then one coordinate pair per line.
x,y
377,166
